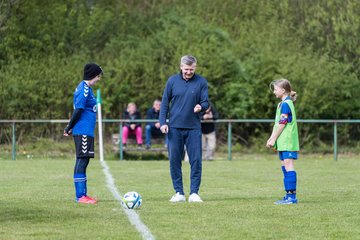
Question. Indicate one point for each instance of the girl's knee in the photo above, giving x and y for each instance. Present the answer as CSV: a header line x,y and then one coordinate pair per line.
x,y
289,164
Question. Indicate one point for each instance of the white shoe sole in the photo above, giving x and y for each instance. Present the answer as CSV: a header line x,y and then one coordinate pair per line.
x,y
177,201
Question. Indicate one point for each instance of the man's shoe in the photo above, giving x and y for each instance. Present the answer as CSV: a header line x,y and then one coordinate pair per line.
x,y
286,200
195,198
178,198
148,147
86,200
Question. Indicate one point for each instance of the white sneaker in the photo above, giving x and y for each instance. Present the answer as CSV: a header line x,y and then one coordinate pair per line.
x,y
178,198
195,198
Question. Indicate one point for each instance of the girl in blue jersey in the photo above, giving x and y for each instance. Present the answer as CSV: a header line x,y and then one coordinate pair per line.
x,y
82,126
285,137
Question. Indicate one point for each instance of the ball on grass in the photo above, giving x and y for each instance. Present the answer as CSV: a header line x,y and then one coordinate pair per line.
x,y
131,200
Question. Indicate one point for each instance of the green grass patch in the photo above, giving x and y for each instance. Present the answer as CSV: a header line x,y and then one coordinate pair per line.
x,y
37,200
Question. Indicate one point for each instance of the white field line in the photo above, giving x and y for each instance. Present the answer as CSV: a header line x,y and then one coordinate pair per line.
x,y
131,214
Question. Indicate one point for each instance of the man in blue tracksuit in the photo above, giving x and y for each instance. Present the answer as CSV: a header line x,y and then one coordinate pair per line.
x,y
184,97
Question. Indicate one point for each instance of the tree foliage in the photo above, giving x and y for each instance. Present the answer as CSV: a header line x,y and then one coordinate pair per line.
x,y
241,47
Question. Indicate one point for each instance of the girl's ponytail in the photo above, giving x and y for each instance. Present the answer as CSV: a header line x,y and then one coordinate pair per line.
x,y
293,96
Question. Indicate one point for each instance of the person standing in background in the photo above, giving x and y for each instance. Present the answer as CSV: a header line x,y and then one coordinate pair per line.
x,y
208,130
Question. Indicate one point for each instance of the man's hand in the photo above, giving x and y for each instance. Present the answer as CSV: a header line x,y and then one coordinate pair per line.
x,y
197,108
164,129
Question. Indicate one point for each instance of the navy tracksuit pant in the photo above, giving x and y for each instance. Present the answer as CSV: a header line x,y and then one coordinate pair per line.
x,y
191,138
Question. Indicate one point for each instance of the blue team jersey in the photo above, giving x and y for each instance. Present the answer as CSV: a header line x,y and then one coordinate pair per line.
x,y
84,99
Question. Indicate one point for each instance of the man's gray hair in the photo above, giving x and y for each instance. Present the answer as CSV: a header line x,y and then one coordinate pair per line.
x,y
188,60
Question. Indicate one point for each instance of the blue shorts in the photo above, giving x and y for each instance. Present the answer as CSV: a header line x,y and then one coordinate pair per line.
x,y
287,155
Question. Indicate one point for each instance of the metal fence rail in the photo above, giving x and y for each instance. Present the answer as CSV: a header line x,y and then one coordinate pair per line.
x,y
335,122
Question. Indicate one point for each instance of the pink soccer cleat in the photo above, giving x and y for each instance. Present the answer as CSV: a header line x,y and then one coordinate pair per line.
x,y
87,200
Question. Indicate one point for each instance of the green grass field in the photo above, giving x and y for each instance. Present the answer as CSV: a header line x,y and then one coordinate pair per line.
x,y
37,200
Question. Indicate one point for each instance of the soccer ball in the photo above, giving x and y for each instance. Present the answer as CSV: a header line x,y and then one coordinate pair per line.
x,y
131,200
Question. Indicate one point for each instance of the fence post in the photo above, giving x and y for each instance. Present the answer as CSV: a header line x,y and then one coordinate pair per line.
x,y
335,141
120,142
13,142
229,141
